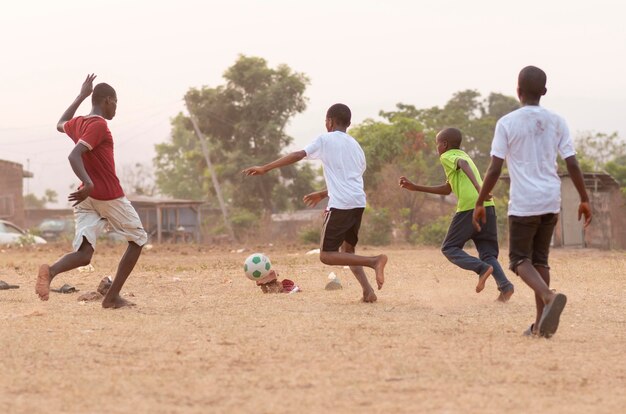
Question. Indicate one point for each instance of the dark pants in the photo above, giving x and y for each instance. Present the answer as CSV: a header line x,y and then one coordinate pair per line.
x,y
529,239
461,230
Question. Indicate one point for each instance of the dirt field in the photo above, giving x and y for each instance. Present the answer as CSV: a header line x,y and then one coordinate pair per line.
x,y
204,339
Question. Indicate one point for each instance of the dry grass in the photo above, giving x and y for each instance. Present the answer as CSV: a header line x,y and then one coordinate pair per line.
x,y
205,339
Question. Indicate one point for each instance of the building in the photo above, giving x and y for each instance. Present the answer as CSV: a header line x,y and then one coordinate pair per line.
x,y
608,228
11,192
168,219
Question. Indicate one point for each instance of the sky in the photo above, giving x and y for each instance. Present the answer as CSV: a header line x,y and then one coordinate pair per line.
x,y
368,54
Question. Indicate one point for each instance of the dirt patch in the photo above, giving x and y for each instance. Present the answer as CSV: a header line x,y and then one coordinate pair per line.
x,y
204,338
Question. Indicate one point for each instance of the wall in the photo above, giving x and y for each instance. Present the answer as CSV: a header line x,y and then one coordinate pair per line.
x,y
11,189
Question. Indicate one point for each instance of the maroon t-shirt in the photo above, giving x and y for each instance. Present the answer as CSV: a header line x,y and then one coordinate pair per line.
x,y
93,132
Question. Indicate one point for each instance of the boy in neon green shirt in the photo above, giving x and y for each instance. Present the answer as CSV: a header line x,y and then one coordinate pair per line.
x,y
463,179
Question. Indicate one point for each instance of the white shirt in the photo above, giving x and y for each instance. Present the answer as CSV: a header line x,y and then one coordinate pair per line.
x,y
344,165
529,139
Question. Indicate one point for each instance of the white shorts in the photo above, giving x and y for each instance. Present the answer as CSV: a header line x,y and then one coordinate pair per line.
x,y
92,217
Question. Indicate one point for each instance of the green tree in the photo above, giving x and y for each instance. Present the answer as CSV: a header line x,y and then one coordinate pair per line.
x,y
596,149
32,201
403,143
180,168
245,121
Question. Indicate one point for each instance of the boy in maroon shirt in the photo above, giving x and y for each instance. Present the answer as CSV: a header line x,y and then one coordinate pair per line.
x,y
99,199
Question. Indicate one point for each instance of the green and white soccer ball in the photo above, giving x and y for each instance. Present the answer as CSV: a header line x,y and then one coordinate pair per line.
x,y
257,266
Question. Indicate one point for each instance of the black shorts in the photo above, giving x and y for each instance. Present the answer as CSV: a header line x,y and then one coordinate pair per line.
x,y
529,239
339,226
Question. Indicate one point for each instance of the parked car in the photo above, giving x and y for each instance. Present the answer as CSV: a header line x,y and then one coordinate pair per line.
x,y
11,234
55,228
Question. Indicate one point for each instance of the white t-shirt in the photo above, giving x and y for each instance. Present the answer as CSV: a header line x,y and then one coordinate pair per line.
x,y
529,139
344,165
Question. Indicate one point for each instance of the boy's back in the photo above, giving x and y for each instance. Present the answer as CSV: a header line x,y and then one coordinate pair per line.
x,y
461,185
530,139
344,165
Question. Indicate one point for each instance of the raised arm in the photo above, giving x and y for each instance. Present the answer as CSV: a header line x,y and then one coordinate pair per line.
x,y
443,189
584,209
85,91
491,178
281,162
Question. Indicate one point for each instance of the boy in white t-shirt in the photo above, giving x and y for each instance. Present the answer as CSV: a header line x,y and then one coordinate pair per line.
x,y
529,139
344,164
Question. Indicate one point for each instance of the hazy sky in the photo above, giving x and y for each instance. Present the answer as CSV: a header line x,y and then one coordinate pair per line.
x,y
367,54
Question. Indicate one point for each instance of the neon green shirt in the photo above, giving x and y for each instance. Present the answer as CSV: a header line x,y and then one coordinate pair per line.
x,y
461,185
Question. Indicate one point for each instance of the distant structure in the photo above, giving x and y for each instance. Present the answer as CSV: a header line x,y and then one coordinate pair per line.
x,y
608,228
11,191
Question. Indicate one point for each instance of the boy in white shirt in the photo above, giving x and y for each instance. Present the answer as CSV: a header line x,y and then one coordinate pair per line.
x,y
344,164
529,139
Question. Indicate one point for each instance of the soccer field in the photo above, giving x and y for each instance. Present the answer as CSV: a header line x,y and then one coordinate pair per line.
x,y
205,339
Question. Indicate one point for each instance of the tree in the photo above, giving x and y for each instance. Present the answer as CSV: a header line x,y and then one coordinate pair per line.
x,y
403,144
32,201
596,149
180,168
138,179
245,122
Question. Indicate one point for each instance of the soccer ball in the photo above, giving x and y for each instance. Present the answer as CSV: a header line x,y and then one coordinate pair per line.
x,y
257,266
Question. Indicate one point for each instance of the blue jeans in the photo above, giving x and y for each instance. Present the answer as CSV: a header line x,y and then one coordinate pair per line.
x,y
461,230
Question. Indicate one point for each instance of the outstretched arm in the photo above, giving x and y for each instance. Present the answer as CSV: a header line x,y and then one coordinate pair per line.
x,y
491,178
281,162
76,161
85,91
584,209
443,189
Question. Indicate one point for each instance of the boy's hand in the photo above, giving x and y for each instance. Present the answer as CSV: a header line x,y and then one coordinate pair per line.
x,y
312,199
584,209
253,171
406,183
80,195
87,87
479,216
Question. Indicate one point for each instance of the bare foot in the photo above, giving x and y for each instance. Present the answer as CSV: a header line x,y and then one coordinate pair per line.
x,y
380,270
483,278
505,296
42,286
369,296
116,303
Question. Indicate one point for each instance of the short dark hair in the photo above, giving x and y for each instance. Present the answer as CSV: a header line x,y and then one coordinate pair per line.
x,y
101,92
453,136
340,113
532,81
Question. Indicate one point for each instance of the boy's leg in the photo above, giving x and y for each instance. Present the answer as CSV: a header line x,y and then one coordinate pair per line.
x,y
550,314
545,275
88,224
81,257
342,226
377,263
368,292
125,221
113,298
527,236
460,231
486,242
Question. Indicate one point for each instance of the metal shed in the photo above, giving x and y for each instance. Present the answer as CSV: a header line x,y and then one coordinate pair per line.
x,y
169,219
